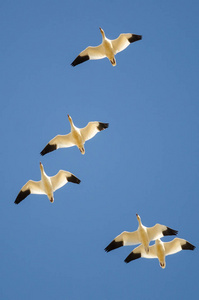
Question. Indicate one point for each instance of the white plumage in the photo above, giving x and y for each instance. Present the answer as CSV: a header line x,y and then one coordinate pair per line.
x,y
77,137
160,250
142,235
108,48
47,185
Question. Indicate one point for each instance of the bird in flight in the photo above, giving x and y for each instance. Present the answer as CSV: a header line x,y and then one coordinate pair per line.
x,y
143,235
108,48
47,185
160,250
77,137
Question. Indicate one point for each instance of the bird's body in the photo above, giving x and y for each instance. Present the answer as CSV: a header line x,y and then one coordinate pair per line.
x,y
160,250
108,48
143,235
77,137
47,185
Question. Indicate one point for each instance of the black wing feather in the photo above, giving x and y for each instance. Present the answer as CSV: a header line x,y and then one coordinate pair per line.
x,y
21,196
113,245
102,126
73,179
79,59
132,256
48,148
134,38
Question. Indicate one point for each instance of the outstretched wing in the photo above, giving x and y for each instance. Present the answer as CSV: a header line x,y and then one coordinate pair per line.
x,y
91,129
140,252
61,178
60,141
124,239
159,231
176,245
124,40
31,187
89,53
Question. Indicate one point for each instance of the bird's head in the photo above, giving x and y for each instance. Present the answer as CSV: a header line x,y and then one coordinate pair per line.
x,y
70,119
41,166
102,32
138,217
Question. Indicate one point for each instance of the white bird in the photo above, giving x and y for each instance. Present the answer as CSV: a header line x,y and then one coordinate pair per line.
x,y
143,235
47,185
108,48
160,250
77,137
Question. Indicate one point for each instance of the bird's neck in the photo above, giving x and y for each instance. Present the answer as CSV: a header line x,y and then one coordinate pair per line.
x,y
140,223
103,36
43,174
72,125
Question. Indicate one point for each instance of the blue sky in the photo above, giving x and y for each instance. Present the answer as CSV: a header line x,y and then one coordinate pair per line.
x,y
146,162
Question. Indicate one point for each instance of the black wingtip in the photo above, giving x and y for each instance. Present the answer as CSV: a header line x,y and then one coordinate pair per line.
x,y
48,148
134,38
169,231
73,179
21,196
113,245
132,256
188,246
102,126
79,59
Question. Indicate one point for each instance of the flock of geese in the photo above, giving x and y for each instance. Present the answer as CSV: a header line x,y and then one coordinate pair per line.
x,y
47,185
77,137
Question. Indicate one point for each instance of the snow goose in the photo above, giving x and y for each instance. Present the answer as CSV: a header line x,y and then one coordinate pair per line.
x,y
142,235
47,185
108,48
160,250
77,136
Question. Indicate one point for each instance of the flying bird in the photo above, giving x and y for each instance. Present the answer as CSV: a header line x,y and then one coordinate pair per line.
x,y
143,235
47,185
159,250
108,48
77,137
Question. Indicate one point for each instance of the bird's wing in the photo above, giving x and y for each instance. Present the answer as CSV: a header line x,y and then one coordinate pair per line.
x,y
140,252
159,231
124,239
89,53
60,141
124,40
91,129
31,187
61,178
177,245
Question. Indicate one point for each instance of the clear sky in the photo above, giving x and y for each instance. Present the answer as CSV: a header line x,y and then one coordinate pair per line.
x,y
146,162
